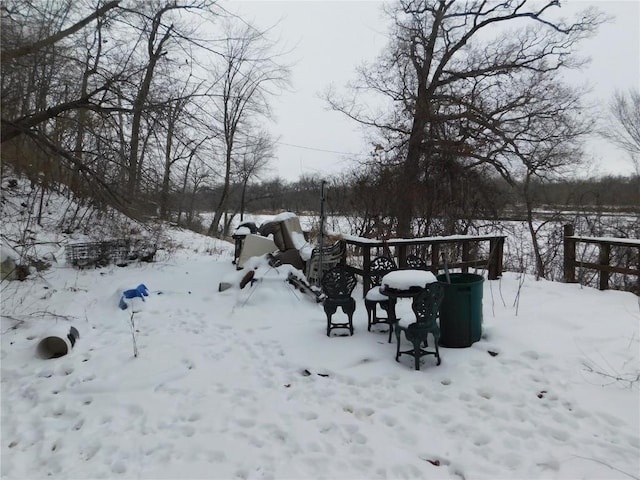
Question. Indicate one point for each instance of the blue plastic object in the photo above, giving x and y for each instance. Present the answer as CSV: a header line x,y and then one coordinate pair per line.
x,y
140,291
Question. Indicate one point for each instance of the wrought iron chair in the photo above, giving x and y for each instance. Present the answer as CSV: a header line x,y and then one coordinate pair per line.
x,y
416,263
426,307
337,284
380,266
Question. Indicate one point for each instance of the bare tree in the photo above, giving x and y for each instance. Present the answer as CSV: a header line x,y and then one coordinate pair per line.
x,y
624,129
458,81
250,72
43,87
157,33
17,51
253,160
88,97
550,159
20,52
195,176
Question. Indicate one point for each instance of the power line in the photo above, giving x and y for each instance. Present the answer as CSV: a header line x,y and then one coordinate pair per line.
x,y
321,149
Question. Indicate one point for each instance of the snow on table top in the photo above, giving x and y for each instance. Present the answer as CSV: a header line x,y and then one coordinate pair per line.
x,y
405,279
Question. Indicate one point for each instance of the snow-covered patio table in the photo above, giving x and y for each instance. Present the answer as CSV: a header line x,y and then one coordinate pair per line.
x,y
406,283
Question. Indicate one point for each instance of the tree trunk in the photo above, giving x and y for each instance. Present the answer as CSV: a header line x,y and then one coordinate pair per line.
x,y
138,105
540,270
242,198
164,191
222,204
408,185
184,187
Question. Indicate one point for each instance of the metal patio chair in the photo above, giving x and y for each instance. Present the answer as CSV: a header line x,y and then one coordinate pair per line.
x,y
426,307
338,284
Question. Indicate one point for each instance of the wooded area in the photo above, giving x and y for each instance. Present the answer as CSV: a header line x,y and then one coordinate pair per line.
x,y
158,109
128,104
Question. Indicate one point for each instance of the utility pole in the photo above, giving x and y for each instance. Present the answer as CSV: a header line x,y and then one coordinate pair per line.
x,y
322,199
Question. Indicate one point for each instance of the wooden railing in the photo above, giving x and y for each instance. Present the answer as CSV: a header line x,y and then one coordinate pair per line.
x,y
434,246
603,266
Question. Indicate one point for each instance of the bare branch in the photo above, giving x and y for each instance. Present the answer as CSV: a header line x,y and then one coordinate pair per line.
x,y
6,55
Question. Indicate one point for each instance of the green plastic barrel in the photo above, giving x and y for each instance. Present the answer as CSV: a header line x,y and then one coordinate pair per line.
x,y
461,309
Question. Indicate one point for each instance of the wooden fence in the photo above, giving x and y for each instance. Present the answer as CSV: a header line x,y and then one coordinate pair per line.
x,y
603,266
468,245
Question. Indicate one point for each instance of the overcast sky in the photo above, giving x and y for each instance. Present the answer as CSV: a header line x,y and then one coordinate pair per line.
x,y
329,39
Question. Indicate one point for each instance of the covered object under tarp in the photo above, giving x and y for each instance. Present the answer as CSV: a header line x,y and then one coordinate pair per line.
x,y
281,236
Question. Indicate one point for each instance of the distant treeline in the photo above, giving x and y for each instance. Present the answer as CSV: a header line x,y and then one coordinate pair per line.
x,y
598,194
610,191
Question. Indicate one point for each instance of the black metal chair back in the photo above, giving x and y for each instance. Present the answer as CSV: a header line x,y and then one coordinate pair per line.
x,y
416,263
338,283
427,303
379,267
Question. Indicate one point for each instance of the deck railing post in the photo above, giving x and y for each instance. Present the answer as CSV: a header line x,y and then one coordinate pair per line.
x,y
638,276
435,261
496,247
603,260
366,267
465,255
569,261
402,255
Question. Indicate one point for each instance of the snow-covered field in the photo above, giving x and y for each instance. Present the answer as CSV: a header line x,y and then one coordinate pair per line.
x,y
245,384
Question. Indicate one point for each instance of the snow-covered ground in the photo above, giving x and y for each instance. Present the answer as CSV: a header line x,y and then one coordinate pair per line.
x,y
245,384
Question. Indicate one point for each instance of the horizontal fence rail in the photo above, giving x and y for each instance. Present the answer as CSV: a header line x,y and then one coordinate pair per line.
x,y
603,266
468,244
